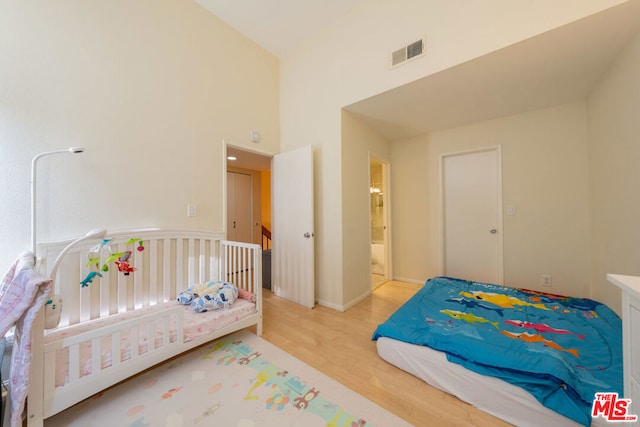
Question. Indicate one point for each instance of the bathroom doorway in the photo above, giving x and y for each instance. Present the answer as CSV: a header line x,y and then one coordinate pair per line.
x,y
378,215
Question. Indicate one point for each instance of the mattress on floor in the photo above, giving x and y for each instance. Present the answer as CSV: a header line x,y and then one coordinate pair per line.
x,y
195,325
492,395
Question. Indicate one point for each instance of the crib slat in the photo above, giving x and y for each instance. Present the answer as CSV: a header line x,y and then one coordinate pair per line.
x,y
74,363
256,272
85,301
179,262
244,268
153,271
116,356
96,355
122,285
230,262
165,331
212,260
166,274
138,277
64,293
105,289
239,265
202,264
191,259
151,336
135,341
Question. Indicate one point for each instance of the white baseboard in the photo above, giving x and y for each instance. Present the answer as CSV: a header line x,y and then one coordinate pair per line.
x,y
357,300
330,305
364,295
409,280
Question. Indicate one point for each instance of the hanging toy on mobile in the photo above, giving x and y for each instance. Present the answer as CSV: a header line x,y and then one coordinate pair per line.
x,y
123,263
120,259
89,279
94,256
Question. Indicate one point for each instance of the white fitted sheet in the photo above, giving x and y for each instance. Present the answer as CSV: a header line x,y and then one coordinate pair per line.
x,y
492,395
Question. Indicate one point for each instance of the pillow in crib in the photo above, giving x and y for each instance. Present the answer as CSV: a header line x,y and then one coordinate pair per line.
x,y
222,298
188,295
245,294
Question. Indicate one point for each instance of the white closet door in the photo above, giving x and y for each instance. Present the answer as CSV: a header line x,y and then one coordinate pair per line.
x,y
239,207
472,215
292,249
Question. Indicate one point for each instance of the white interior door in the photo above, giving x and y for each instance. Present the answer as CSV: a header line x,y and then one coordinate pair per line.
x,y
292,250
472,215
239,207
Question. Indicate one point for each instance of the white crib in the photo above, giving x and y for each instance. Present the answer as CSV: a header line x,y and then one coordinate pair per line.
x,y
121,324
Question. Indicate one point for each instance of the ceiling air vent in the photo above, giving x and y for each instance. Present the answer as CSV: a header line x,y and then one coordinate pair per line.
x,y
410,51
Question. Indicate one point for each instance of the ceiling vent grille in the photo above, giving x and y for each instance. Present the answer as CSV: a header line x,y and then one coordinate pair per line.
x,y
413,50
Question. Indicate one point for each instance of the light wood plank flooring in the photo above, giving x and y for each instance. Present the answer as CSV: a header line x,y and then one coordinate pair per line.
x,y
339,345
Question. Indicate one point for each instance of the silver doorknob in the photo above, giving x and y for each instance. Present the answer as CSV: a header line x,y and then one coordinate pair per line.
x,y
493,231
307,235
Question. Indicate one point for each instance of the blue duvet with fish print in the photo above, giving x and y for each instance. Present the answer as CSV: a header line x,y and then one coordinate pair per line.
x,y
561,349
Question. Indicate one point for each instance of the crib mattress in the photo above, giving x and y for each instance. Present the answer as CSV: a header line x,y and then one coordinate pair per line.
x,y
492,395
195,325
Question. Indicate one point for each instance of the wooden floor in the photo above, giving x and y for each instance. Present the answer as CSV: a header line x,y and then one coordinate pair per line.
x,y
339,345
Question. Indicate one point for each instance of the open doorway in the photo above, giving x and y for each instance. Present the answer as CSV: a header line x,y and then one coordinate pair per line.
x,y
378,216
248,202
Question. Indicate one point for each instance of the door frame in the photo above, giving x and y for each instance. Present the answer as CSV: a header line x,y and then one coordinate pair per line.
x,y
386,212
499,219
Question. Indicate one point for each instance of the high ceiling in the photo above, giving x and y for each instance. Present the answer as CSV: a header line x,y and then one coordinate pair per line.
x,y
279,25
553,68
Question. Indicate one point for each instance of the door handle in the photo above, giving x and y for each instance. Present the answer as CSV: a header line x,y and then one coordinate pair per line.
x,y
307,235
493,231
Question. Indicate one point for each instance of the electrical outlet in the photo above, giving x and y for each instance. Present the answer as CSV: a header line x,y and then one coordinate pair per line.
x,y
545,280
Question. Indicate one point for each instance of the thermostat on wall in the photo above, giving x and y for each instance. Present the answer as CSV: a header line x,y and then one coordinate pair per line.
x,y
254,136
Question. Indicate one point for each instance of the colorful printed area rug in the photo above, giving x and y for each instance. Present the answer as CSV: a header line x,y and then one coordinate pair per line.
x,y
239,380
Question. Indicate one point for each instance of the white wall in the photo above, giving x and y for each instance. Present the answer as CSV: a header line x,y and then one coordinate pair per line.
x,y
350,62
544,173
614,159
359,142
150,88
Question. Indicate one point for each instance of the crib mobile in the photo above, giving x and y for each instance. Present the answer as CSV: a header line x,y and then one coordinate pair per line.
x,y
120,259
53,306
